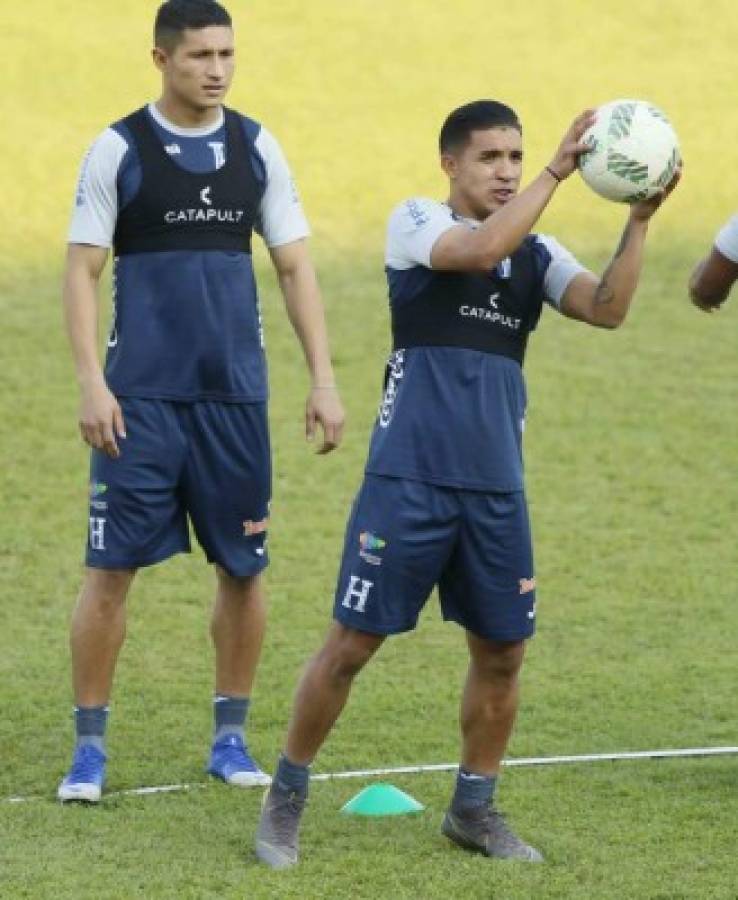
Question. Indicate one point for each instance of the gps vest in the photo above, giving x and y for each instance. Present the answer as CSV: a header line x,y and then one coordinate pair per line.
x,y
476,311
179,210
186,323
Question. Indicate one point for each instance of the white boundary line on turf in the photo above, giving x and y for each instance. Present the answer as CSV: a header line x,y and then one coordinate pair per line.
x,y
442,767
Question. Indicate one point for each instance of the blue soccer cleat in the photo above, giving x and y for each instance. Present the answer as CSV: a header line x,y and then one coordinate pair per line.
x,y
230,761
86,777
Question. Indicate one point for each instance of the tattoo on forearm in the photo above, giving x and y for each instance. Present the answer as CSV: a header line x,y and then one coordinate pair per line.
x,y
604,293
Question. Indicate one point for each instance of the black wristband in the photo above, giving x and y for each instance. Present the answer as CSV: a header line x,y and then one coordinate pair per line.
x,y
553,174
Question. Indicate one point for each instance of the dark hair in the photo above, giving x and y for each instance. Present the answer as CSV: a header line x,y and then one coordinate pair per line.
x,y
175,16
476,116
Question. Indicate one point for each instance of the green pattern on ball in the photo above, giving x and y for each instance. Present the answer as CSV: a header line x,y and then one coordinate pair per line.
x,y
657,114
668,173
621,120
626,168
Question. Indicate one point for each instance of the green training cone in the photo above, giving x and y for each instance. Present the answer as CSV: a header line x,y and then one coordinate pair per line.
x,y
382,800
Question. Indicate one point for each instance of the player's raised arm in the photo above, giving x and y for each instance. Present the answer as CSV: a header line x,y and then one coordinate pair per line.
x,y
604,302
100,416
714,276
492,159
299,286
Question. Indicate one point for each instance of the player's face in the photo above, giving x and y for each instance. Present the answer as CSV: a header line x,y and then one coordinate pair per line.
x,y
485,175
198,71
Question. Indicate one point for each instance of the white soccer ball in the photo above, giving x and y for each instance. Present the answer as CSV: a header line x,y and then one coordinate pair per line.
x,y
635,151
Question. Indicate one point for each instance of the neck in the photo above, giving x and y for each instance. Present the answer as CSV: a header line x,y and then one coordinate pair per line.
x,y
461,208
186,116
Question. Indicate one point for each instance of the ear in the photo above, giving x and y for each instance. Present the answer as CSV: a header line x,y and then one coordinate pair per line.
x,y
450,165
160,58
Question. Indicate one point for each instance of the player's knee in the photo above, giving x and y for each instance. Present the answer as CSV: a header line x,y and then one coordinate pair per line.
x,y
498,660
241,589
347,652
107,589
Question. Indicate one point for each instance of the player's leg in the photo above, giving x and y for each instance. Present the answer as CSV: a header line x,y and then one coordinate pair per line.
x,y
96,636
237,628
227,489
397,539
488,588
134,520
320,697
324,689
489,703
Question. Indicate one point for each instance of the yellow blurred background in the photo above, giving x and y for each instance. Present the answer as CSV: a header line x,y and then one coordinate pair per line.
x,y
356,91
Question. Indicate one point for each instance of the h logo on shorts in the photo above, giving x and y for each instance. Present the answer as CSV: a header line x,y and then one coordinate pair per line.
x,y
360,593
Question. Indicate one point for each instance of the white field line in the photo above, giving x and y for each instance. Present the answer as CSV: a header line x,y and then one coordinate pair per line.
x,y
441,767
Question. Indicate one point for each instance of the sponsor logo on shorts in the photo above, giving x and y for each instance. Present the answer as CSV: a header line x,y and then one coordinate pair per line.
x,y
527,585
251,528
370,542
97,488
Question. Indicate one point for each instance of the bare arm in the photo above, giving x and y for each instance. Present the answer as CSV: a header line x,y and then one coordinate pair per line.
x,y
711,281
604,302
301,293
100,416
462,250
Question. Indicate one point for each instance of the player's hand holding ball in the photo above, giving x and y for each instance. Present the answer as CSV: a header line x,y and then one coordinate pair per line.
x,y
565,159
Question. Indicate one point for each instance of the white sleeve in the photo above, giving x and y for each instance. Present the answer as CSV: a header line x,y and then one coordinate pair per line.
x,y
562,267
727,240
96,203
280,219
413,228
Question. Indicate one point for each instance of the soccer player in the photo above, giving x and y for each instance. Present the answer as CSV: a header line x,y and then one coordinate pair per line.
x,y
177,421
715,275
442,501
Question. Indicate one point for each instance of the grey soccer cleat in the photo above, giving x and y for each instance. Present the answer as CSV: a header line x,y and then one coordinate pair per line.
x,y
277,842
487,832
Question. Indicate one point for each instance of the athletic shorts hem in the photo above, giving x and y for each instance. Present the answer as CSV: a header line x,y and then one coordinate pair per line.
x,y
492,634
137,563
371,627
240,572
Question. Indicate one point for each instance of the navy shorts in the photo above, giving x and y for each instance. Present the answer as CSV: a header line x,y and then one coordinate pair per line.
x,y
206,460
405,537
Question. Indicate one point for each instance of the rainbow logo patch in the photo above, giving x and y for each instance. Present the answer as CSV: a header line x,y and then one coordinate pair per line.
x,y
369,541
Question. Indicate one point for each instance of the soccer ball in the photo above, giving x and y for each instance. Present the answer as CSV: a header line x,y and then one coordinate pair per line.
x,y
635,151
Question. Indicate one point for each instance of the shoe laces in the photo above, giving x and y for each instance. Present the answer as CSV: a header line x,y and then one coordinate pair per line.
x,y
87,763
285,812
497,825
233,750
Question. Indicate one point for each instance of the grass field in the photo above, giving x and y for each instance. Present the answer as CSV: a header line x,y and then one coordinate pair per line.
x,y
631,453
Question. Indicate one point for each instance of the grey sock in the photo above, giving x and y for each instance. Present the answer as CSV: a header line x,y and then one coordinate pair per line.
x,y
230,715
472,791
89,726
291,778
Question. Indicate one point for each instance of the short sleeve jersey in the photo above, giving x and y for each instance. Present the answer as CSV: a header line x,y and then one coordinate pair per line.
x,y
186,324
727,240
450,415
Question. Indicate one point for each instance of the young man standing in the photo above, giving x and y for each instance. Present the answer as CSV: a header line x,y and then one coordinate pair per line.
x,y
715,275
442,502
177,421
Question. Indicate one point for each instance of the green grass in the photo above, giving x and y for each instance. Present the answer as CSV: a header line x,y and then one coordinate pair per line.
x,y
631,460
